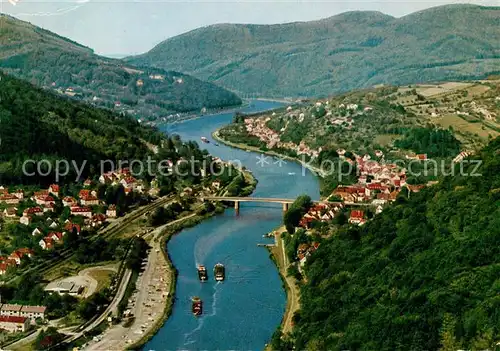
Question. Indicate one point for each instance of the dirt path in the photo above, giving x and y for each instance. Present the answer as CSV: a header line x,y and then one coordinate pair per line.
x,y
293,293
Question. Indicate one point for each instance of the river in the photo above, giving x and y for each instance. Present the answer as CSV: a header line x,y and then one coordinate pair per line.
x,y
243,311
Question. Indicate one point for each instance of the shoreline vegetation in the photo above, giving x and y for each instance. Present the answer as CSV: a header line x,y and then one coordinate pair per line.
x,y
317,171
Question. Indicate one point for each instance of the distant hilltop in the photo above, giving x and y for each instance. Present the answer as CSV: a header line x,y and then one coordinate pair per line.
x,y
63,66
344,52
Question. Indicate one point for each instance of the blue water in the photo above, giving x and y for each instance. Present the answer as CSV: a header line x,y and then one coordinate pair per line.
x,y
242,312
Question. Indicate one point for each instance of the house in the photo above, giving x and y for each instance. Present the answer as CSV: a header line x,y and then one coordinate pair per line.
x,y
357,217
106,178
84,193
87,183
187,191
89,200
48,208
54,190
55,236
14,324
19,254
69,201
36,232
139,83
4,268
44,200
128,182
26,220
40,193
216,184
15,257
81,211
37,211
69,227
65,287
10,212
111,211
97,220
10,310
33,313
46,243
9,199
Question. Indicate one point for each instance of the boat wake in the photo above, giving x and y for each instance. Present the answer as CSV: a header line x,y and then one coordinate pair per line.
x,y
188,337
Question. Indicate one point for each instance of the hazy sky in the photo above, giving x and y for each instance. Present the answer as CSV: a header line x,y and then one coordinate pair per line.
x,y
135,26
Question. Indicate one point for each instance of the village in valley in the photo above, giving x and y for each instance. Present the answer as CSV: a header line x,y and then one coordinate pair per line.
x,y
364,130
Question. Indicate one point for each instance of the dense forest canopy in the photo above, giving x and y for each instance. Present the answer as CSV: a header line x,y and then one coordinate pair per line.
x,y
430,141
422,275
35,124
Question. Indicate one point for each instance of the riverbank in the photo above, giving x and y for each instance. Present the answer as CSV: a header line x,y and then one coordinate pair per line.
x,y
317,171
292,291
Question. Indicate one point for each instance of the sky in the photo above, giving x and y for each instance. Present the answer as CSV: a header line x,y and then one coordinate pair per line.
x,y
128,27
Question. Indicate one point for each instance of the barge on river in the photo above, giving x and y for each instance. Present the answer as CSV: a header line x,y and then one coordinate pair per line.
x,y
202,273
197,306
219,272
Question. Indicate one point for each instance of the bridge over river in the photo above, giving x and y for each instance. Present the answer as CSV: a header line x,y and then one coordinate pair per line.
x,y
271,200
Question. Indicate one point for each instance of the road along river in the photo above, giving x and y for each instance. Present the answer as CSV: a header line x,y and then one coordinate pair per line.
x,y
242,312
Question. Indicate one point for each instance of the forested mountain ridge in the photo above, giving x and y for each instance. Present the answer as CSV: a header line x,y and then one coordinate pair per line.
x,y
422,275
344,52
57,63
36,124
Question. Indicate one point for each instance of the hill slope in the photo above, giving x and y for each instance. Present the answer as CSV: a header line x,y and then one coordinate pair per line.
x,y
344,52
36,124
422,275
50,61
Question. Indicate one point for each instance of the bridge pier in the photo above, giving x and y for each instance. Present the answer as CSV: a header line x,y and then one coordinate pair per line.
x,y
237,207
285,207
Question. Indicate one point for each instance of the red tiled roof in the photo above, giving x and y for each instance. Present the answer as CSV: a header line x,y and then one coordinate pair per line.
x,y
357,214
83,193
70,226
54,188
80,209
32,210
58,235
41,193
7,197
13,319
24,251
89,198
